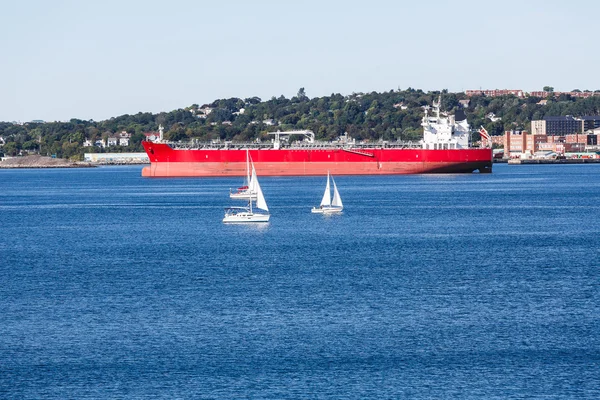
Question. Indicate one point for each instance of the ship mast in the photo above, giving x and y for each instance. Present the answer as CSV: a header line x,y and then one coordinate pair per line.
x,y
436,107
160,132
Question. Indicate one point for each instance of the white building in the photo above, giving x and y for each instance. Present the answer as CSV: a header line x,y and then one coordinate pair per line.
x,y
464,103
492,117
124,138
203,112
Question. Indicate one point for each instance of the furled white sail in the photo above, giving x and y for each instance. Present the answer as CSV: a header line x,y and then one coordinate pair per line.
x,y
326,201
337,200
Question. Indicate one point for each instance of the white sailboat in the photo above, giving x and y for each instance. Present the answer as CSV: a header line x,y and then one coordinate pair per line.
x,y
329,205
247,191
248,214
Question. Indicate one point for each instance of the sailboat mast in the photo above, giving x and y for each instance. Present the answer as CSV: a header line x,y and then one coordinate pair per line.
x,y
248,167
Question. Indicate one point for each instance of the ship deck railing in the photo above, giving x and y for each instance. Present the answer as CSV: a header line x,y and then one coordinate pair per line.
x,y
194,145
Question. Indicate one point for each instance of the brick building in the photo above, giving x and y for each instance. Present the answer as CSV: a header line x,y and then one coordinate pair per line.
x,y
518,144
565,125
495,93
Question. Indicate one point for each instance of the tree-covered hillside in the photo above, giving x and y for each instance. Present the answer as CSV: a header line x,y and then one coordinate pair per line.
x,y
393,115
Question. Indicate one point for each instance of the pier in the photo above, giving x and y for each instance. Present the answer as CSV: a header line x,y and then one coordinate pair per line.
x,y
518,161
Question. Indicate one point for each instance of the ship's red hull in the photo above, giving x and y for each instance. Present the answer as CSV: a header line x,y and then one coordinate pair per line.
x,y
168,162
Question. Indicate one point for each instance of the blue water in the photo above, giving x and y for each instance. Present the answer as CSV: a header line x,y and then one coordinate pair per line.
x,y
439,286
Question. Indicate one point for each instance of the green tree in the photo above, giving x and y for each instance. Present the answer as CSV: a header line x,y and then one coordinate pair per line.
x,y
301,96
10,149
31,145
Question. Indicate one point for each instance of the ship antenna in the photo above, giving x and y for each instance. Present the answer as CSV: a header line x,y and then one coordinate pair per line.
x,y
437,106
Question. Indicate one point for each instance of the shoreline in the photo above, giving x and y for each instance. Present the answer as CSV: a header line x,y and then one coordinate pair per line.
x,y
38,162
46,167
563,161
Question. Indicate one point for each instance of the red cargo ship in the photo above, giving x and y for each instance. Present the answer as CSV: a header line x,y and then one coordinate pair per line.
x,y
444,149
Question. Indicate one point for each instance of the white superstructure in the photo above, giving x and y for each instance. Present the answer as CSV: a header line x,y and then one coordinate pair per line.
x,y
444,132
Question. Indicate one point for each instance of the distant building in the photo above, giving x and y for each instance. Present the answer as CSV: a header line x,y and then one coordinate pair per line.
x,y
515,142
556,126
112,141
203,112
492,117
522,144
540,93
400,106
538,127
583,95
495,93
87,143
464,103
565,125
590,122
124,137
497,140
519,93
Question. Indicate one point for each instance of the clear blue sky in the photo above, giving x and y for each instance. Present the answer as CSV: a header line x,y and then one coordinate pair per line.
x,y
94,59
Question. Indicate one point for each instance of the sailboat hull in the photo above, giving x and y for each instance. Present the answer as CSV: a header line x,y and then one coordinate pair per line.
x,y
243,196
246,217
326,210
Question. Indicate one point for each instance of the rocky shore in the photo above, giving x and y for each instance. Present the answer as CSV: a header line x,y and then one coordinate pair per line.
x,y
42,162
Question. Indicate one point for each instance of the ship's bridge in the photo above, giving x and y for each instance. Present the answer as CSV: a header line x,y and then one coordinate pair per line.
x,y
444,132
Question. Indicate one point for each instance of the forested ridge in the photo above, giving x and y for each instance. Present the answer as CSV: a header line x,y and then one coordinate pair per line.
x,y
393,115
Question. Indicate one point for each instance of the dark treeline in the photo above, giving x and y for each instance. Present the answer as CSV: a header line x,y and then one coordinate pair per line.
x,y
393,115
